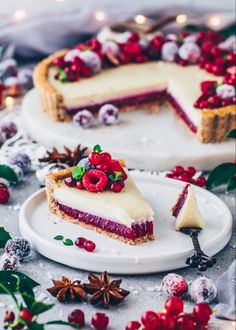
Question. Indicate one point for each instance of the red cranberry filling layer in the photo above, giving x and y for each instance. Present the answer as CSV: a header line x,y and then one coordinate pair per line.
x,y
179,204
135,231
181,113
120,102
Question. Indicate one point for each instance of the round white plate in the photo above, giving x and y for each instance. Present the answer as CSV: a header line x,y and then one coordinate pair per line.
x,y
146,141
167,252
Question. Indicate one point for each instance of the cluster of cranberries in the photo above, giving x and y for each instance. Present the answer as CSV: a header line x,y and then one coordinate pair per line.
x,y
173,317
83,243
99,321
4,193
187,175
97,173
215,95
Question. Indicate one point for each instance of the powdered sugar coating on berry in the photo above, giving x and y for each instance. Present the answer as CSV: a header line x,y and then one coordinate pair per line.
x,y
92,60
108,114
8,262
190,51
169,51
203,290
110,47
18,247
85,163
9,129
174,285
84,118
22,160
225,91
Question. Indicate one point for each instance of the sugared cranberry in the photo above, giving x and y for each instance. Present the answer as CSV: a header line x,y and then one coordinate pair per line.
x,y
200,181
95,158
89,246
77,317
150,320
202,313
79,242
174,306
185,322
79,185
174,285
4,195
133,325
100,321
167,321
117,186
190,171
70,182
9,129
26,315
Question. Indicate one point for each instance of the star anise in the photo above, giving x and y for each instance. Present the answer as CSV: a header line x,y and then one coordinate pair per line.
x,y
69,157
104,291
66,290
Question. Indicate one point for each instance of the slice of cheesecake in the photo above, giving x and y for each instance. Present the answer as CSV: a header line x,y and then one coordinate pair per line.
x,y
114,208
186,210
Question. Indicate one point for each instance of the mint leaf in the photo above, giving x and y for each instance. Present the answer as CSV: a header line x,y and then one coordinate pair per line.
x,y
39,307
4,237
111,177
62,74
232,134
232,184
118,176
6,172
58,238
68,242
6,277
78,172
97,148
221,174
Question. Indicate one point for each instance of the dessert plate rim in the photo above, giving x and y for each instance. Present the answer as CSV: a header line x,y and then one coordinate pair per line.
x,y
118,264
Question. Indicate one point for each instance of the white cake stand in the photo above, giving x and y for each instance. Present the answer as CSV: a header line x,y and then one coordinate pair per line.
x,y
145,141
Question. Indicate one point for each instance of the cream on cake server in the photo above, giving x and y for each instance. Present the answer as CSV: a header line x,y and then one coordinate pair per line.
x,y
186,210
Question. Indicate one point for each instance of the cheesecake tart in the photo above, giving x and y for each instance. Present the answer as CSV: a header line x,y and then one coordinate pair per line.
x,y
137,72
185,210
100,194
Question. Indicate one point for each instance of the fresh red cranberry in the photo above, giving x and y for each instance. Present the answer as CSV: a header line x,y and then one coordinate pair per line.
x,y
132,49
79,242
103,167
89,246
208,87
59,61
183,177
94,44
77,317
95,158
95,180
215,51
190,171
217,69
133,325
185,322
134,37
79,185
9,316
231,57
85,71
202,313
178,170
174,306
4,195
100,321
167,321
106,157
170,175
214,100
220,61
150,320
200,181
117,186
70,182
26,315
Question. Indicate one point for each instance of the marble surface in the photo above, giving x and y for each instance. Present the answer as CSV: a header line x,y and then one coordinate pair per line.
x,y
145,290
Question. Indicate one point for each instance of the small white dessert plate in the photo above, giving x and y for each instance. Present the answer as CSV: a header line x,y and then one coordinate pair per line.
x,y
167,252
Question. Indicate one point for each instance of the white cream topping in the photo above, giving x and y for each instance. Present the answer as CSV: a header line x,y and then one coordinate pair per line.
x,y
189,215
126,207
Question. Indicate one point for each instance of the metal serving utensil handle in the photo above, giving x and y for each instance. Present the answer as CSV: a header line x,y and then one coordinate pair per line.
x,y
199,260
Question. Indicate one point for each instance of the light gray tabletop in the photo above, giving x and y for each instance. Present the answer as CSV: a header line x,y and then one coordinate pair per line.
x,y
145,293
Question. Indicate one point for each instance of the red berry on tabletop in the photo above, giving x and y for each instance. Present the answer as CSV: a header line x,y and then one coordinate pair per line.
x,y
178,170
167,321
95,180
4,195
185,322
95,158
201,181
79,242
100,321
79,185
202,313
133,325
77,317
26,315
190,171
89,246
117,186
174,306
150,320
